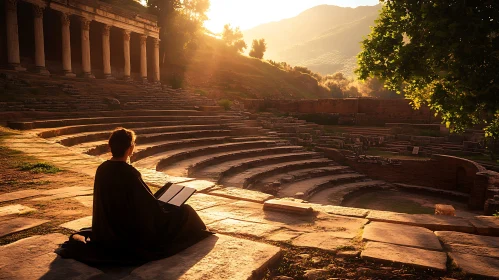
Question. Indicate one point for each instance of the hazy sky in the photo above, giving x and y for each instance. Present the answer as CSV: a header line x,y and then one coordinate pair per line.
x,y
250,13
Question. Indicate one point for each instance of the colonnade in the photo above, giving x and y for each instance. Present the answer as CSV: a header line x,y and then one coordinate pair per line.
x,y
13,54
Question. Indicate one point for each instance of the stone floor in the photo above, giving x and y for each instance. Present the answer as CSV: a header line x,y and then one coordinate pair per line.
x,y
246,222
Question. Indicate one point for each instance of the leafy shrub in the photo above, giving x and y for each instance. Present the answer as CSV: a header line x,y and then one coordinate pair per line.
x,y
225,103
39,167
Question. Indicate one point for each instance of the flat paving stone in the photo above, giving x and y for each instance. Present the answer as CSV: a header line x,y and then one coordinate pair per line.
x,y
199,185
401,235
486,225
321,240
283,235
29,248
431,222
415,257
201,201
452,237
343,211
476,265
218,257
288,207
5,197
87,200
12,225
15,209
242,194
76,225
243,227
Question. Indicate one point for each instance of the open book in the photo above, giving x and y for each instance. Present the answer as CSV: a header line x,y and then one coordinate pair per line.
x,y
174,194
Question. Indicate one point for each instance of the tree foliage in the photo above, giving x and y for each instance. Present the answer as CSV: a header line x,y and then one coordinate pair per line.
x,y
258,48
443,53
233,37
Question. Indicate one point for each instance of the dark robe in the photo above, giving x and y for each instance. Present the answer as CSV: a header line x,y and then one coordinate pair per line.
x,y
129,224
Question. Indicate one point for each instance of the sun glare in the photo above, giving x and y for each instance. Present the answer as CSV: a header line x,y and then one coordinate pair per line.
x,y
250,13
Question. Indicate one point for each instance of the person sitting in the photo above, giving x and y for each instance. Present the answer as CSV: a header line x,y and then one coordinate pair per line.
x,y
128,220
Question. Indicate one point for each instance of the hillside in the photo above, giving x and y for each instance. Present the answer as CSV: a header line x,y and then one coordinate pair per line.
x,y
325,38
219,72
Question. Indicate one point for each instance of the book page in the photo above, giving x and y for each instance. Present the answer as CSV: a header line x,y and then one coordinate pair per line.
x,y
170,193
182,197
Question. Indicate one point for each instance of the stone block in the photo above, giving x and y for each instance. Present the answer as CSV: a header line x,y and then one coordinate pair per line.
x,y
201,201
411,236
8,226
283,235
199,185
414,257
343,211
15,209
486,225
451,237
431,222
218,257
288,206
444,209
242,194
87,200
476,265
18,195
321,240
76,225
243,227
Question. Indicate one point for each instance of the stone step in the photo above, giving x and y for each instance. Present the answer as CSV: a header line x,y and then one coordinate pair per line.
x,y
310,186
307,173
336,195
171,156
236,175
224,157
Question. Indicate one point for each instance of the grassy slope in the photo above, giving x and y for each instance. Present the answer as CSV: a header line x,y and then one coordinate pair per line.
x,y
222,73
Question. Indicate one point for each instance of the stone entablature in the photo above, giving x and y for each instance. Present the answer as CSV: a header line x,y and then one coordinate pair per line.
x,y
85,11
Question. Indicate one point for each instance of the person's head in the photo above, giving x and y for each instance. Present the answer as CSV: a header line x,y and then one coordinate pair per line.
x,y
122,142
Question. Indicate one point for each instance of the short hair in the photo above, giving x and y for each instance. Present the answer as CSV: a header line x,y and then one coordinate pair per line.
x,y
121,139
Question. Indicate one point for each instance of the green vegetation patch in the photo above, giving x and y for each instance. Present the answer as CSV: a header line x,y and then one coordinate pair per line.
x,y
39,167
225,103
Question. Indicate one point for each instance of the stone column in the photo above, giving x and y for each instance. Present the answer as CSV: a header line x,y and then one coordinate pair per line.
x,y
85,48
106,52
39,41
143,57
156,73
13,56
126,51
66,46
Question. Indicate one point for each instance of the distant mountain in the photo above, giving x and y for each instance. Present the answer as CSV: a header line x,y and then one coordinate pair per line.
x,y
325,38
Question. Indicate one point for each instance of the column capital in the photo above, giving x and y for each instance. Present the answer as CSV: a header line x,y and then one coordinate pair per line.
x,y
156,42
11,5
85,23
65,19
106,29
143,38
38,11
126,35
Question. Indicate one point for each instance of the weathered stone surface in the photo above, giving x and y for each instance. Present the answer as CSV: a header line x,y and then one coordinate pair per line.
x,y
414,257
347,254
313,274
240,210
242,194
283,235
321,240
344,211
473,250
486,225
199,185
339,226
430,222
243,227
217,258
288,207
15,209
401,235
29,248
451,237
86,200
9,226
76,225
64,193
18,195
48,266
476,265
201,201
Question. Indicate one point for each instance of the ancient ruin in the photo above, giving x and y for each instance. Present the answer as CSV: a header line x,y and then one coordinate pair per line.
x,y
268,176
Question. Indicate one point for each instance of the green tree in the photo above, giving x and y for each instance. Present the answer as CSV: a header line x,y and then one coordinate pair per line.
x,y
233,37
258,48
441,53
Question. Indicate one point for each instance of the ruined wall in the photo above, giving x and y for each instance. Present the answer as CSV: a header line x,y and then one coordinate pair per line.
x,y
369,111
